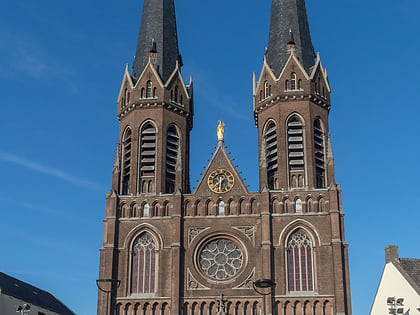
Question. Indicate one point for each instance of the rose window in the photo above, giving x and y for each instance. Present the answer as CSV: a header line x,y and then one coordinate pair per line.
x,y
221,259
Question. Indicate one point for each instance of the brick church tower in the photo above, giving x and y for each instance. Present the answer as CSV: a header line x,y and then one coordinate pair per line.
x,y
167,250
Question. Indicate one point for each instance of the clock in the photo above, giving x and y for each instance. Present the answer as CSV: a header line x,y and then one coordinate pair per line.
x,y
220,181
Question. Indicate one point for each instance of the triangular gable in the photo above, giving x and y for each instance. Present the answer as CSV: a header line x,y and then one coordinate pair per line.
x,y
323,72
126,78
265,69
295,60
175,73
221,161
150,67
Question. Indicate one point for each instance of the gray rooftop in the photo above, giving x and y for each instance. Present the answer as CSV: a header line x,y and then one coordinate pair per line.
x,y
157,31
289,22
32,295
412,268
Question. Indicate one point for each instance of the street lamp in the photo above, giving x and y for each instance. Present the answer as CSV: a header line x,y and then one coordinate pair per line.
x,y
263,284
394,305
23,309
101,283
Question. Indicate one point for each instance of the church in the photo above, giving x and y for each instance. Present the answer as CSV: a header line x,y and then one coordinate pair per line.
x,y
221,249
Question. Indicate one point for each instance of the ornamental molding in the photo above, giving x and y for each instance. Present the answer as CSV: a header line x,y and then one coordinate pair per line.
x,y
193,232
248,283
193,284
248,231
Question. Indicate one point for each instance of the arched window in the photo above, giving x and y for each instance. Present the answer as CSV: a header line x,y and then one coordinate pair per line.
x,y
176,94
172,151
143,265
319,147
147,156
127,97
299,84
270,141
154,93
293,81
221,208
261,95
286,85
266,90
142,93
295,147
126,161
300,262
149,89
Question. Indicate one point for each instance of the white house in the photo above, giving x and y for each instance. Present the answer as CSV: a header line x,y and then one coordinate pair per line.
x,y
399,288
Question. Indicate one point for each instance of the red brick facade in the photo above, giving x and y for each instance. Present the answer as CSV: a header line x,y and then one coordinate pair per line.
x,y
176,252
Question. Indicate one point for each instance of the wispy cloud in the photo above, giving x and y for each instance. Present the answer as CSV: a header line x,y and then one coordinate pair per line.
x,y
37,167
23,56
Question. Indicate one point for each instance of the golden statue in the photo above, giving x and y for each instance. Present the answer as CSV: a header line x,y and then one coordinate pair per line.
x,y
220,130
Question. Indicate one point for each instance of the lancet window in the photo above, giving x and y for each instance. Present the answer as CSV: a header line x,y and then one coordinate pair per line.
x,y
147,157
143,265
293,81
172,154
319,147
295,147
149,89
126,161
271,153
300,262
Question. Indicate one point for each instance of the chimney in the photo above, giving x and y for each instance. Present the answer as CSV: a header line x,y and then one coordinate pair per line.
x,y
391,253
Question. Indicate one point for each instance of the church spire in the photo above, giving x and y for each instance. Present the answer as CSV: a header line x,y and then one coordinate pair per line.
x,y
289,22
158,39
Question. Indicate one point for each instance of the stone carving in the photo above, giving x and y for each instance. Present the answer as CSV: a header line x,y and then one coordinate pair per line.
x,y
249,232
248,283
193,232
193,284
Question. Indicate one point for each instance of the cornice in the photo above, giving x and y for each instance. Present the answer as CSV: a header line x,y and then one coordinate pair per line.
x,y
152,103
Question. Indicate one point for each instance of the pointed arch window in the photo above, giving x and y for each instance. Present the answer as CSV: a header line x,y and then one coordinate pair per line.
x,y
149,89
293,80
172,155
267,90
295,147
143,265
300,274
176,94
126,161
271,153
319,147
147,157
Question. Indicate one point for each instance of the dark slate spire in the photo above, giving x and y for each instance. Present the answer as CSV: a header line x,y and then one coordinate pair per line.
x,y
289,22
157,37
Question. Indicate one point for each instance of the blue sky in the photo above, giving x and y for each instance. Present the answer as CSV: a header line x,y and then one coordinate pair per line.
x,y
61,65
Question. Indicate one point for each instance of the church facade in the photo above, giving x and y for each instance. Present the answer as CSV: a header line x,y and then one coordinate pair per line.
x,y
169,250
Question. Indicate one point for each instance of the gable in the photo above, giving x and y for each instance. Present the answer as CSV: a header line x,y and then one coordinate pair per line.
x,y
393,284
221,177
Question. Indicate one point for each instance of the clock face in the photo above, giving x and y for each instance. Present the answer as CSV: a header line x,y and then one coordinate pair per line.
x,y
220,181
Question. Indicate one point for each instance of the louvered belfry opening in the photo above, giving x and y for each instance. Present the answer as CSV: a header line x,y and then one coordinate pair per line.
x,y
319,147
271,152
126,162
296,156
147,158
172,149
